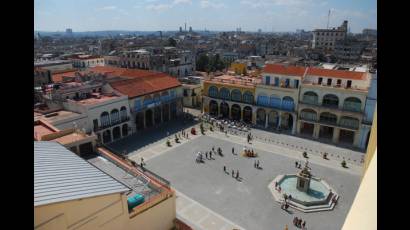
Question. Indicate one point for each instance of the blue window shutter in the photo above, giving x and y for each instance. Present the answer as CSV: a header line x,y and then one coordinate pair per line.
x,y
267,80
276,81
296,83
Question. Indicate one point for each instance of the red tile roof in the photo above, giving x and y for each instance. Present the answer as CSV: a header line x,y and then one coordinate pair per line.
x,y
337,73
284,70
138,82
58,77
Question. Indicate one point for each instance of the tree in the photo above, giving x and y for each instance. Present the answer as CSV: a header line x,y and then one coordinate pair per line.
x,y
172,42
202,63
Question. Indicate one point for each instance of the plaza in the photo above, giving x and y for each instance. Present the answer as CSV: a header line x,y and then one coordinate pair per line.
x,y
246,203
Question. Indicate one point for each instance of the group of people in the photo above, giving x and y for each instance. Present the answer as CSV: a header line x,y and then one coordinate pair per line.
x,y
298,222
249,138
298,164
256,164
249,153
277,187
236,176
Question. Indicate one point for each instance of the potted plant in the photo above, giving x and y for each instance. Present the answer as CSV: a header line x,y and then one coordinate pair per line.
x,y
305,154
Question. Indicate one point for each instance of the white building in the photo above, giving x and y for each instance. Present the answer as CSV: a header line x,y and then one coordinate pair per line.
x,y
326,38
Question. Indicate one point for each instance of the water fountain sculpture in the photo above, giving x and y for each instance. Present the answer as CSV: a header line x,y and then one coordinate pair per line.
x,y
307,193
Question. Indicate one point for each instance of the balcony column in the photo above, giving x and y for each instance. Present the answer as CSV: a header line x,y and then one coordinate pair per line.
x,y
162,116
294,125
356,139
279,121
336,134
316,131
144,123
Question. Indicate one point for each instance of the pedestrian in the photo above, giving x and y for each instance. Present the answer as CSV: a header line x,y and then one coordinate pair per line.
x,y
300,222
290,197
295,220
142,161
233,172
213,148
206,155
296,164
233,150
257,164
237,174
286,206
276,184
224,168
304,224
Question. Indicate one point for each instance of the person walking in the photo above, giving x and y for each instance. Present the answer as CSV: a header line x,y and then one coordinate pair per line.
x,y
206,155
295,220
304,224
233,150
210,154
296,164
257,164
237,174
224,168
233,172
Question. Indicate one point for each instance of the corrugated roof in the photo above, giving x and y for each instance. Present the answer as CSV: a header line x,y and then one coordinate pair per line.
x,y
61,175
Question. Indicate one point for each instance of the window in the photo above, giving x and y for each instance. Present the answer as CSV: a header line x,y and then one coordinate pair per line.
x,y
276,81
320,80
329,81
95,123
296,83
339,82
349,84
287,82
267,82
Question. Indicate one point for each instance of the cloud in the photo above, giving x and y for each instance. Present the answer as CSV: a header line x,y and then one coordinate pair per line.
x,y
163,6
158,7
182,2
107,8
209,4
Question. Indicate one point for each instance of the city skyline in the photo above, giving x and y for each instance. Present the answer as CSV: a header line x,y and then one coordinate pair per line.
x,y
169,15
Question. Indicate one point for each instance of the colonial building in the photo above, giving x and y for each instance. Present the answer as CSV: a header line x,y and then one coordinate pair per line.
x,y
231,97
114,102
277,97
331,104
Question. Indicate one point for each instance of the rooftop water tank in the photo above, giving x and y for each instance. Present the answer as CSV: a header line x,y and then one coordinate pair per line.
x,y
135,201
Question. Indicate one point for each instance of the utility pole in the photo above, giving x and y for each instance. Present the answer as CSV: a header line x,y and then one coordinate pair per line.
x,y
328,18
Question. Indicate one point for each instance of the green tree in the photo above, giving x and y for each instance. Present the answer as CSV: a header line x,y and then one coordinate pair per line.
x,y
202,63
172,42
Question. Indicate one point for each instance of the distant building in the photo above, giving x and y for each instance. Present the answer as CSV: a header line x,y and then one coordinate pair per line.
x,y
86,61
369,32
190,29
69,32
326,38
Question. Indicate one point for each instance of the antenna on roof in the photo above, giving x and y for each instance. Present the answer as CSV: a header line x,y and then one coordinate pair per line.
x,y
328,18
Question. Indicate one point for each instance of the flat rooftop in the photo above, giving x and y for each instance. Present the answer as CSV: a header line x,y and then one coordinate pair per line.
x,y
95,100
59,115
236,80
139,185
70,138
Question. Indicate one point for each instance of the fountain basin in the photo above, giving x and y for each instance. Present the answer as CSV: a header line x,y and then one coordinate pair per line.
x,y
318,198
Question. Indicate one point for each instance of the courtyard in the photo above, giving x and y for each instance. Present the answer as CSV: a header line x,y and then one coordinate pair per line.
x,y
248,202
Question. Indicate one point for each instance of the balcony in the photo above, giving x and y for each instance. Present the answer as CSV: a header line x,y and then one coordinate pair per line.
x,y
111,124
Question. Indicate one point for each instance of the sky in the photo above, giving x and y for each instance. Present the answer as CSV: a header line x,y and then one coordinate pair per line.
x,y
215,15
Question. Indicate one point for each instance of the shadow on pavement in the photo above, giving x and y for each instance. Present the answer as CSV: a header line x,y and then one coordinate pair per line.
x,y
148,136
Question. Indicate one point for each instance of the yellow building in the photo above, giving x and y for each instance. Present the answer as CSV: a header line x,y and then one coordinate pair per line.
x,y
70,193
363,213
230,97
238,68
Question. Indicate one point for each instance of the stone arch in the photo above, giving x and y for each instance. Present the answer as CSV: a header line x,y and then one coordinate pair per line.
x,y
224,94
247,114
288,103
273,119
116,133
352,104
260,117
236,95
236,112
224,109
328,118
308,114
310,97
213,108
115,116
247,97
330,100
213,91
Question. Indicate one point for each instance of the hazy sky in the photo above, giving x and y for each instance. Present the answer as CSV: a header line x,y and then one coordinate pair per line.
x,y
250,15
